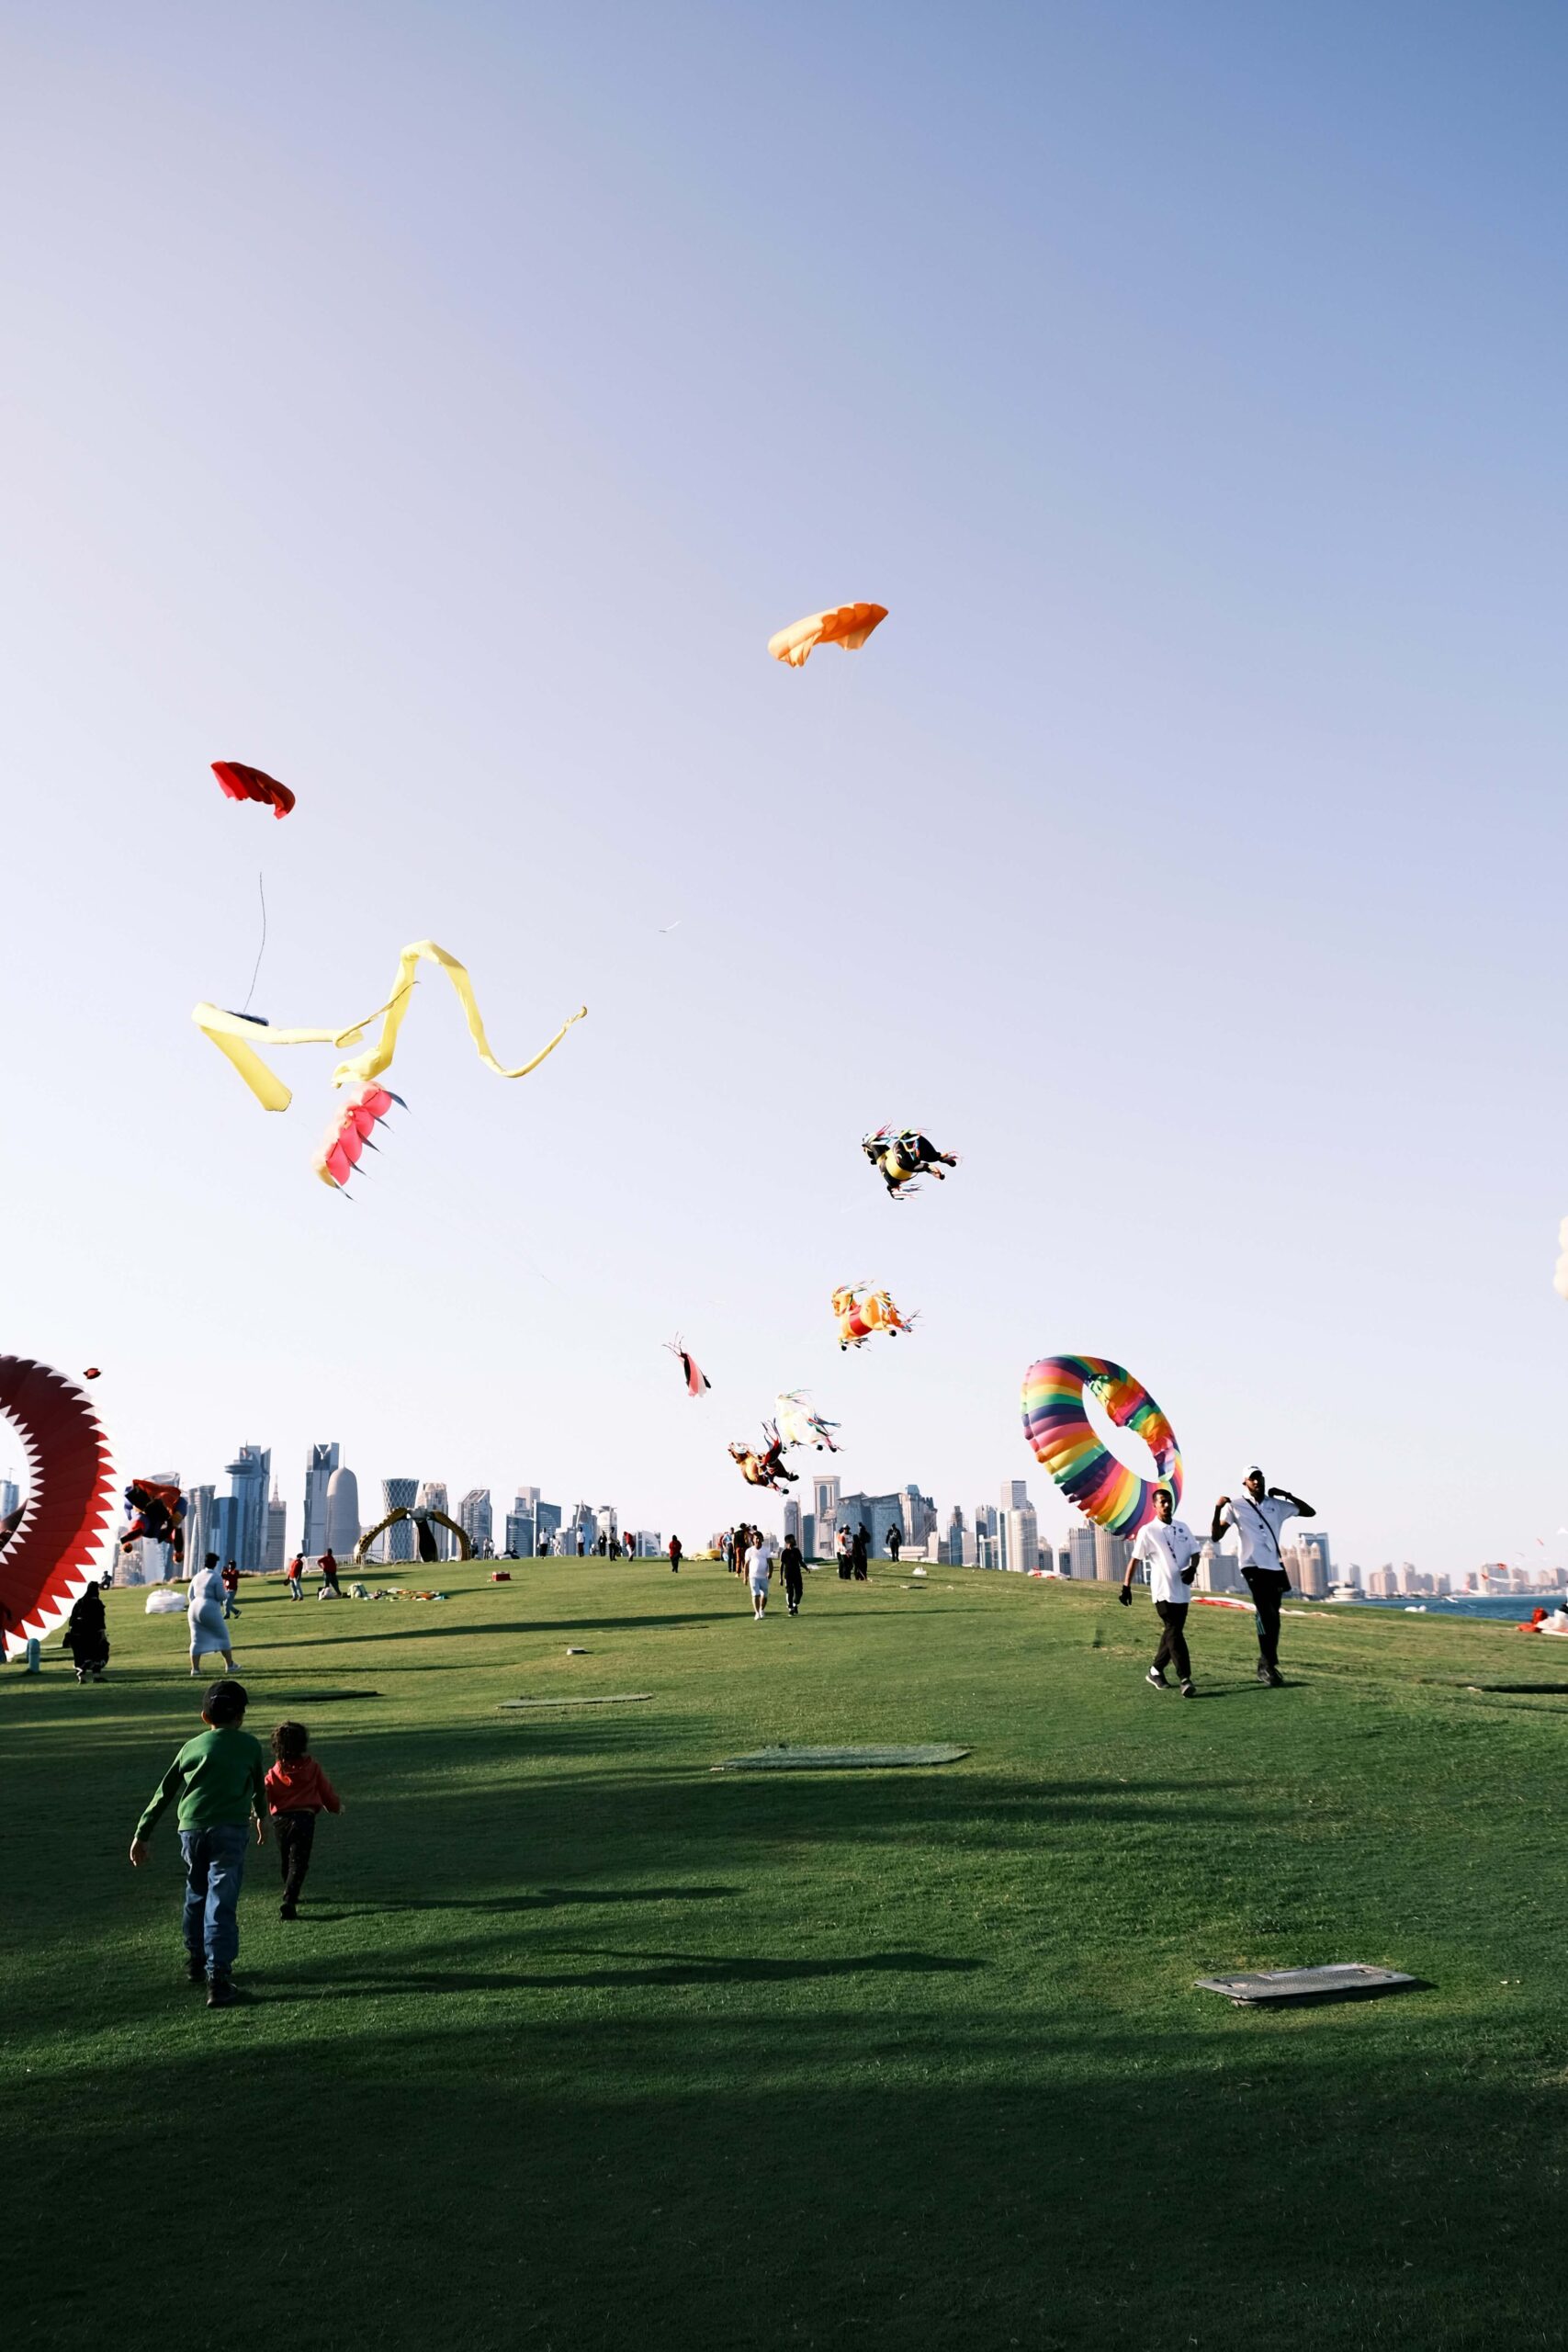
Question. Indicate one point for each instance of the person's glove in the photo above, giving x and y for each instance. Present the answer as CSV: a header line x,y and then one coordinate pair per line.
x,y
1125,1596
1188,1573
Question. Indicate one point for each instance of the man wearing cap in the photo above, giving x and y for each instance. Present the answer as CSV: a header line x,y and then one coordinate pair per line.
x,y
1169,1549
1258,1514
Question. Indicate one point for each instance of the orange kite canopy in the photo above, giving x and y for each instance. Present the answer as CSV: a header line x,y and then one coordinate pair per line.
x,y
846,625
242,783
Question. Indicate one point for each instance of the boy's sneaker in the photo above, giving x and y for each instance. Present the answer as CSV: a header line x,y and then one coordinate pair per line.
x,y
1265,1675
1156,1680
287,1911
195,1968
1189,1690
221,1993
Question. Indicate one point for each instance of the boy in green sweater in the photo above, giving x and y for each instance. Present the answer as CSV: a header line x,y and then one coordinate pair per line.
x,y
220,1779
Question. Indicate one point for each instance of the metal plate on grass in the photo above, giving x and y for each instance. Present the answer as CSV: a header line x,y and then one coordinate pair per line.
x,y
609,1699
1346,1980
836,1760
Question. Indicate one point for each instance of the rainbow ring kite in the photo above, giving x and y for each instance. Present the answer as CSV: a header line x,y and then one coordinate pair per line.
x,y
1064,1441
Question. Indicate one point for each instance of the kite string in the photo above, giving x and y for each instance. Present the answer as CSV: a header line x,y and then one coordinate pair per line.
x,y
261,951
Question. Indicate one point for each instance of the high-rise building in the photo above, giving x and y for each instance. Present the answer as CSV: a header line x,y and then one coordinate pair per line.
x,y
808,1534
343,1513
1015,1493
201,1535
250,1482
475,1519
791,1519
522,1534
606,1524
1111,1554
225,1529
920,1516
1218,1570
952,1552
1080,1553
396,1544
10,1497
825,1512
1317,1569
319,1464
988,1544
1022,1540
650,1544
877,1513
433,1497
546,1526
277,1533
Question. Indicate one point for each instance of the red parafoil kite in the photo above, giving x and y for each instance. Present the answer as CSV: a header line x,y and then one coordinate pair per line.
x,y
695,1378
242,783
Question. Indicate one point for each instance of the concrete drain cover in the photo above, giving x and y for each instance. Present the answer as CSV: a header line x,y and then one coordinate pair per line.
x,y
836,1760
1346,1980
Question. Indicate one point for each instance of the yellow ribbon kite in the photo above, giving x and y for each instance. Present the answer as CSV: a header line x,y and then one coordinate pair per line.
x,y
237,1037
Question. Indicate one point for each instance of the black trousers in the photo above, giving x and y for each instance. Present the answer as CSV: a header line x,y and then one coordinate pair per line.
x,y
794,1585
1268,1588
296,1835
1172,1650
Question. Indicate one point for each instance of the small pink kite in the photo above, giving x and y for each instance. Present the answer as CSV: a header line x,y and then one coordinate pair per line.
x,y
695,1378
351,1131
241,783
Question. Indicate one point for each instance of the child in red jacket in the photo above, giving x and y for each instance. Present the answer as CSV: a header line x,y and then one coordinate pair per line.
x,y
296,1791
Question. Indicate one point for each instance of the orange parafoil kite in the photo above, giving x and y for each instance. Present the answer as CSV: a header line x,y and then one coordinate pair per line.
x,y
242,783
846,625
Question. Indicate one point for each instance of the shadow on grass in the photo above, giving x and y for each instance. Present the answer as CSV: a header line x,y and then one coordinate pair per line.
x,y
334,1979
783,2177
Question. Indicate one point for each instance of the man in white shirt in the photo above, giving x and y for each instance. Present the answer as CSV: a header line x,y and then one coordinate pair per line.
x,y
1258,1514
1168,1549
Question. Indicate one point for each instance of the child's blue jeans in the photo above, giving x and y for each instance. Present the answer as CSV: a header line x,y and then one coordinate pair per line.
x,y
215,1864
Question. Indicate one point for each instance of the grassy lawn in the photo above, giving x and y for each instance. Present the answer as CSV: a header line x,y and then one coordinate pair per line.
x,y
578,2044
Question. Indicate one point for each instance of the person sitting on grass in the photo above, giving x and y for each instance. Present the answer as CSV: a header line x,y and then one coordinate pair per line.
x,y
296,1791
220,1779
1169,1549
88,1635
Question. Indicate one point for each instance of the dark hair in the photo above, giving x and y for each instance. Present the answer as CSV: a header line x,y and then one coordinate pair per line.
x,y
290,1742
211,1559
225,1703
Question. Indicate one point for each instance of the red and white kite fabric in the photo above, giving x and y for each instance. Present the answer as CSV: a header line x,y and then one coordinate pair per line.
x,y
845,625
696,1379
43,1559
242,783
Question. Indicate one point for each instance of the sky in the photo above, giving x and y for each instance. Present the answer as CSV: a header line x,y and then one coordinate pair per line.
x,y
439,407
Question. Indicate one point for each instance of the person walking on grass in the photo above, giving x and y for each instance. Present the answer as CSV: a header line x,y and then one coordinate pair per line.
x,y
230,1590
296,1791
742,1548
218,1779
297,1576
859,1554
794,1566
676,1555
1258,1513
203,1614
1168,1550
846,1564
895,1544
759,1572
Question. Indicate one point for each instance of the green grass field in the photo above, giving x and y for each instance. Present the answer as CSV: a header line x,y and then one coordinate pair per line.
x,y
579,2044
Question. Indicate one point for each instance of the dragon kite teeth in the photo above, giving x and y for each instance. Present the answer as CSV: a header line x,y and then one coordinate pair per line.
x,y
45,1549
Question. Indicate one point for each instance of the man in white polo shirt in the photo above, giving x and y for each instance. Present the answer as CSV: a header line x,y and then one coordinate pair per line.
x,y
1168,1549
1258,1514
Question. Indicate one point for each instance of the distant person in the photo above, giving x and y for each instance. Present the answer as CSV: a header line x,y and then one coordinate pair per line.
x,y
629,1541
220,1780
204,1616
895,1544
1258,1514
544,1543
1557,1621
676,1555
794,1566
759,1572
88,1635
106,1580
860,1553
230,1590
297,1576
296,1791
1168,1549
846,1563
329,1589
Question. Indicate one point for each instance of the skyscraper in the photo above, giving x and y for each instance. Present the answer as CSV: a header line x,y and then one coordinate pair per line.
x,y
791,1519
343,1513
10,1497
1080,1551
952,1552
201,1530
919,1515
1021,1539
474,1517
250,1479
277,1533
547,1524
319,1464
398,1544
433,1497
987,1546
825,1512
1111,1554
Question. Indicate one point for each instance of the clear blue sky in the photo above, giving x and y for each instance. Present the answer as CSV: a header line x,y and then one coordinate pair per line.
x,y
441,406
